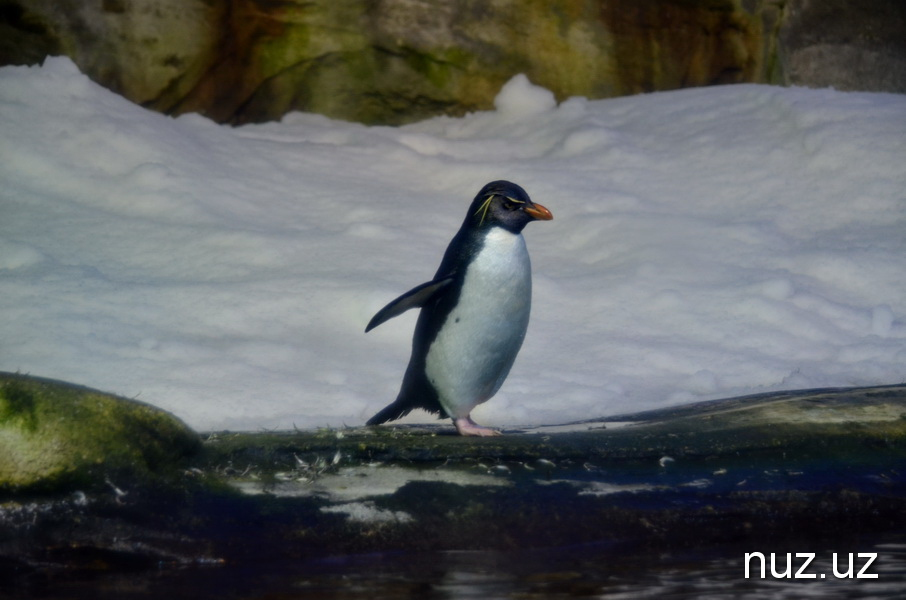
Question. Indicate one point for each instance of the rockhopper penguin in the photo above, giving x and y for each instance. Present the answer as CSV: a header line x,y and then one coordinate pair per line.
x,y
474,312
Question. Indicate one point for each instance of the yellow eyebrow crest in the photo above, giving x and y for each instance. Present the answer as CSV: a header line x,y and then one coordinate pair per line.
x,y
483,209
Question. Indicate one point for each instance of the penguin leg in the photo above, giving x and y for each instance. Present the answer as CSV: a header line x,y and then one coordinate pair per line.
x,y
466,426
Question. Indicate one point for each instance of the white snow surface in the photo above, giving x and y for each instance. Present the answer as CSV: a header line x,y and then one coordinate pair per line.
x,y
706,243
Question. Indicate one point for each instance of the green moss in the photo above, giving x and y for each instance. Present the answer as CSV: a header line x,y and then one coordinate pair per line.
x,y
18,405
439,67
55,435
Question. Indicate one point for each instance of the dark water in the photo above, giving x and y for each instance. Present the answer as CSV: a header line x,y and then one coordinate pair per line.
x,y
587,571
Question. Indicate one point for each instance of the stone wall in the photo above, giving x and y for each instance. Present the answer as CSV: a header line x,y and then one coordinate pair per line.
x,y
845,44
396,61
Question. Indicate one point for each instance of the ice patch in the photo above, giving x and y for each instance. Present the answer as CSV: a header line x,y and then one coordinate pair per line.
x,y
367,512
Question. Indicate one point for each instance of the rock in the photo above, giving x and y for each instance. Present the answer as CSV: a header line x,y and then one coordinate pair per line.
x,y
845,45
398,61
793,471
57,437
142,50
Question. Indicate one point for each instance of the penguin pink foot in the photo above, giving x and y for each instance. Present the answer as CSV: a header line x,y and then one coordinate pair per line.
x,y
466,426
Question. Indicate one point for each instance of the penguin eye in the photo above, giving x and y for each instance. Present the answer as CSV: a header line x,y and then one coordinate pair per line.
x,y
511,204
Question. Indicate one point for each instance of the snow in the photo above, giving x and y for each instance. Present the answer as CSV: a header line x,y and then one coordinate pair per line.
x,y
519,98
706,243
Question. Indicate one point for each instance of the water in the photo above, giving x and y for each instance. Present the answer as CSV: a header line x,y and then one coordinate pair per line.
x,y
586,571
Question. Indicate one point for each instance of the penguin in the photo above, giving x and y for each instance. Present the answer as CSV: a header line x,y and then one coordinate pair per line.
x,y
474,313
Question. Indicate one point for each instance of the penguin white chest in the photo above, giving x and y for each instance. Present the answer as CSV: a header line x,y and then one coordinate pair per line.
x,y
477,344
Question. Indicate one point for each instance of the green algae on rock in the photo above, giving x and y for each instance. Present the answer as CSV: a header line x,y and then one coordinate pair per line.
x,y
55,436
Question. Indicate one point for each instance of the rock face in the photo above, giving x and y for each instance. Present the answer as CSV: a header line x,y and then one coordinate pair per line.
x,y
846,45
55,436
395,61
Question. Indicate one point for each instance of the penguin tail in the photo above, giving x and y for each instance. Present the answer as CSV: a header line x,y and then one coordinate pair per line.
x,y
401,407
391,412
416,392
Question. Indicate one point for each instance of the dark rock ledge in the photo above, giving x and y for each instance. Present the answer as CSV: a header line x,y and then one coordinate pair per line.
x,y
772,469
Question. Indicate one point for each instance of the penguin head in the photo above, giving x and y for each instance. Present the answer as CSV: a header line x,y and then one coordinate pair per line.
x,y
504,204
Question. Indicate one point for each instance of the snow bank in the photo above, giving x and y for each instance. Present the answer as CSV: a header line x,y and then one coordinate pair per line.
x,y
706,243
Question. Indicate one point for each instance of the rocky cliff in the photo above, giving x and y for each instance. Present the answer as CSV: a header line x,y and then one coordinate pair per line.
x,y
397,61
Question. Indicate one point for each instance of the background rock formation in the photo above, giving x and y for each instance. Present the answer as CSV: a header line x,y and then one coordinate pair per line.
x,y
396,61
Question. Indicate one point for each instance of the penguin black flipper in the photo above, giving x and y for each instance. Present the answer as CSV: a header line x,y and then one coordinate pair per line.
x,y
414,298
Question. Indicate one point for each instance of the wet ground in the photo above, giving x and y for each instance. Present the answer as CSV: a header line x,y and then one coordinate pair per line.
x,y
585,571
664,504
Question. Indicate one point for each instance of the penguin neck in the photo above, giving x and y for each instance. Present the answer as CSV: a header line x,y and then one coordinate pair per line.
x,y
466,245
499,239
503,252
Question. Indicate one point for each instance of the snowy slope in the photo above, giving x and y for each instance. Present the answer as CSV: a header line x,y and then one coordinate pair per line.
x,y
705,243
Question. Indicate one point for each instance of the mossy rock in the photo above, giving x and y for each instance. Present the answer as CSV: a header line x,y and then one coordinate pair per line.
x,y
56,436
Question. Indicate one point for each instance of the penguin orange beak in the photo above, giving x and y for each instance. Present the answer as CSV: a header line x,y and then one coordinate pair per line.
x,y
537,211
